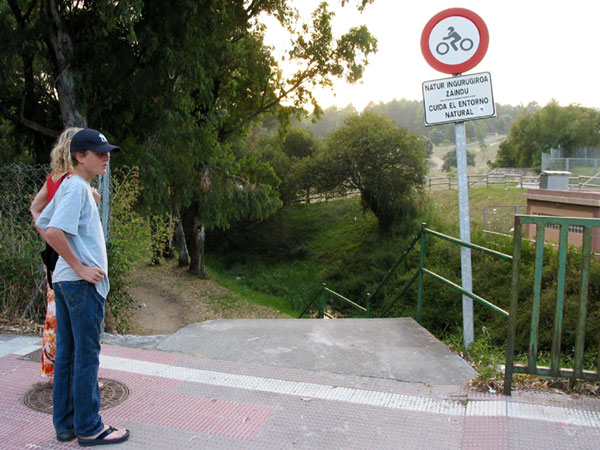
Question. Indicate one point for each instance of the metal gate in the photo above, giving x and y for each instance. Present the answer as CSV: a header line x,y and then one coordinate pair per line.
x,y
532,367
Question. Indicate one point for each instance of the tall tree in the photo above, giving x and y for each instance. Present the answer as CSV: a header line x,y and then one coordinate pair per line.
x,y
553,126
383,162
450,160
176,82
52,50
246,83
290,157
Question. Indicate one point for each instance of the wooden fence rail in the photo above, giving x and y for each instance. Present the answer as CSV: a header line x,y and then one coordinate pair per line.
x,y
487,179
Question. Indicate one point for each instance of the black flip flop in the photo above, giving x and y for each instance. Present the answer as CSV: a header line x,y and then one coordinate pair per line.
x,y
100,439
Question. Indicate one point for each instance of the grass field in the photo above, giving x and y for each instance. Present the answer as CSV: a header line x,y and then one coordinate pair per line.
x,y
302,246
445,204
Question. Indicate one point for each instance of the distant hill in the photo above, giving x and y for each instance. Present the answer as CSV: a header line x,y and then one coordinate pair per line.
x,y
409,114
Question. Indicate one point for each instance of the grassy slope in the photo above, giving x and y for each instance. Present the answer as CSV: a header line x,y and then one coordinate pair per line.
x,y
482,156
289,257
304,246
445,204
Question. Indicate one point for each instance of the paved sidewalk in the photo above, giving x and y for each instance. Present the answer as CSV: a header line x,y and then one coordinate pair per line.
x,y
186,401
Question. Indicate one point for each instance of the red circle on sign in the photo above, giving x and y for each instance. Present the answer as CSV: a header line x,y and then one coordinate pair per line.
x,y
484,40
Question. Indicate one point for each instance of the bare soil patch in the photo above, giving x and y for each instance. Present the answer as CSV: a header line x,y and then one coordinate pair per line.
x,y
170,297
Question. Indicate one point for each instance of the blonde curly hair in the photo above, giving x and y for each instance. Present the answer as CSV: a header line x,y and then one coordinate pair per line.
x,y
60,156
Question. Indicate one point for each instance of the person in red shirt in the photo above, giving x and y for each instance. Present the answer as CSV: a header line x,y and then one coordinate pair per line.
x,y
61,166
60,163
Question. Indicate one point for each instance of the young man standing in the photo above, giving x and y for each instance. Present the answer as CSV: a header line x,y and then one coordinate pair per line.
x,y
71,225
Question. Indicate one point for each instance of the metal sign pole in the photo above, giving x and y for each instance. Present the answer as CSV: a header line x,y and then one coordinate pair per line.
x,y
104,189
455,100
104,210
465,231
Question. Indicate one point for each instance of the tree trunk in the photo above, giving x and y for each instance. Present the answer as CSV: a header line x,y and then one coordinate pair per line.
x,y
157,247
184,257
30,109
169,248
61,47
194,236
197,257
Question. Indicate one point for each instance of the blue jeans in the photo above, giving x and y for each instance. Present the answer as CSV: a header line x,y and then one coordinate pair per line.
x,y
75,396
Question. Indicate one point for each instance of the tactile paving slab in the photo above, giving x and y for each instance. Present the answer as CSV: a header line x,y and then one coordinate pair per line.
x,y
190,401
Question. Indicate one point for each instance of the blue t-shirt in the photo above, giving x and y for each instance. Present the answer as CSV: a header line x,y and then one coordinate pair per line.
x,y
74,211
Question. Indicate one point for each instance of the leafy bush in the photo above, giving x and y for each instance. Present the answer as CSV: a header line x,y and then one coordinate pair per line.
x,y
450,160
383,162
19,276
21,267
131,241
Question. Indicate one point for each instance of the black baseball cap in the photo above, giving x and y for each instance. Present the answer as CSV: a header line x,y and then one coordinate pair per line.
x,y
88,139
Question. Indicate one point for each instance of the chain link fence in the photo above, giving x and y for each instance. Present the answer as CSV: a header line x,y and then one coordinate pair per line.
x,y
22,279
584,162
501,219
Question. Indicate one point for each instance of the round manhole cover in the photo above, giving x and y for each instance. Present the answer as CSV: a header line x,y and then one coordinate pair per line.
x,y
39,398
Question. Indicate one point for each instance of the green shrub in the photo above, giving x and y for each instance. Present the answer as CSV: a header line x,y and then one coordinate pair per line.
x,y
21,267
19,274
131,241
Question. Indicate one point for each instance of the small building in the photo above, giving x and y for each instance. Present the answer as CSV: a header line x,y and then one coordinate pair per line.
x,y
562,203
555,180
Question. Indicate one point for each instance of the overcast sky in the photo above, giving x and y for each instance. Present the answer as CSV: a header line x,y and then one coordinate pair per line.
x,y
538,50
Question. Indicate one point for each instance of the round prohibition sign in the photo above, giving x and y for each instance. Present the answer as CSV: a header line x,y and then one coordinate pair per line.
x,y
454,40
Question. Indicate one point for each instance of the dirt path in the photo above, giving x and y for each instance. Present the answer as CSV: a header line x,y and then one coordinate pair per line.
x,y
437,161
170,298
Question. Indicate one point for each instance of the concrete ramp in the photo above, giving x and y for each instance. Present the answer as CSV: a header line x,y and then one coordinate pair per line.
x,y
397,349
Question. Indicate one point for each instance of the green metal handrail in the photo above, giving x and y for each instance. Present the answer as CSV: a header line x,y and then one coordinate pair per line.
x,y
423,271
395,266
479,248
309,304
475,297
510,368
417,275
322,294
401,293
541,222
